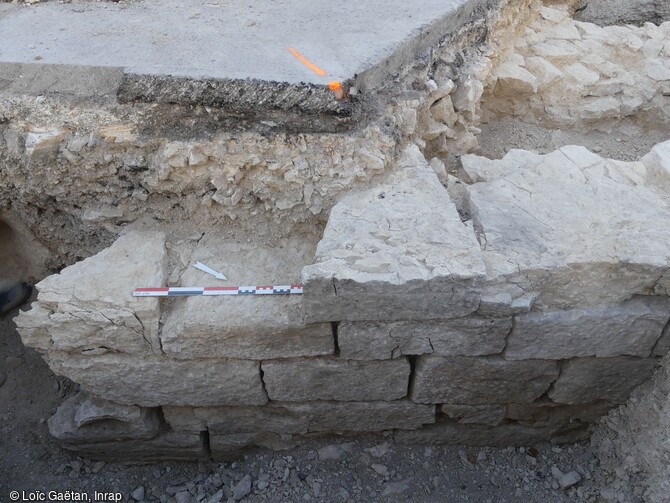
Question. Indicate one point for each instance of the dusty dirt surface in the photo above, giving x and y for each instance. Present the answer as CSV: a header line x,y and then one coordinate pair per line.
x,y
500,136
332,470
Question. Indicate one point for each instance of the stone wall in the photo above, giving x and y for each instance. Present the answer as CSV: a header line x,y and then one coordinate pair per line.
x,y
447,297
526,322
572,74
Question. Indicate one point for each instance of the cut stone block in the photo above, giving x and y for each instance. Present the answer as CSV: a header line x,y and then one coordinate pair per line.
x,y
585,380
273,417
82,418
154,381
335,379
364,416
451,432
301,418
490,415
170,446
397,251
632,328
554,225
480,381
252,327
89,306
472,336
546,413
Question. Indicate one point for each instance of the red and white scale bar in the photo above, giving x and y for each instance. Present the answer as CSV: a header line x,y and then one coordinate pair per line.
x,y
177,291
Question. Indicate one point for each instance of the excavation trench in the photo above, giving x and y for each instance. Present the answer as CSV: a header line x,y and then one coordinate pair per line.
x,y
463,233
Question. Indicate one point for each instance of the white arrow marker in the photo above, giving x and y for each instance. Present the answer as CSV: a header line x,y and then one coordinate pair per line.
x,y
209,270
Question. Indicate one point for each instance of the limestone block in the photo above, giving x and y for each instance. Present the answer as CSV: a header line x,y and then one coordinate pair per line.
x,y
657,163
398,251
585,380
632,328
364,416
662,347
545,73
490,415
335,379
538,415
169,446
274,417
552,226
300,418
251,327
89,306
562,31
153,381
452,432
480,381
599,108
556,50
581,75
471,336
86,419
553,14
33,327
514,80
496,302
42,142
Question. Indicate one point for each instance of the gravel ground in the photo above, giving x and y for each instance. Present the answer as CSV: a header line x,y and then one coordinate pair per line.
x,y
372,469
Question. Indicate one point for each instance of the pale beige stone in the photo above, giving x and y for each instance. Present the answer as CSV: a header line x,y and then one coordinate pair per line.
x,y
538,415
397,251
251,327
490,415
513,79
89,307
169,446
480,381
471,336
85,419
300,418
335,379
585,380
632,328
154,380
552,226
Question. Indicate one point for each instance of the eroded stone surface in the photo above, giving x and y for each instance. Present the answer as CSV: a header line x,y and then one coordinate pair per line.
x,y
584,380
490,415
82,418
273,417
169,446
567,73
546,413
632,328
251,327
154,381
480,381
89,307
301,418
552,225
451,432
398,251
335,379
471,336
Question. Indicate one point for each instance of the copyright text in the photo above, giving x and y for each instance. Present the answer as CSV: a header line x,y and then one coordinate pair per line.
x,y
48,496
